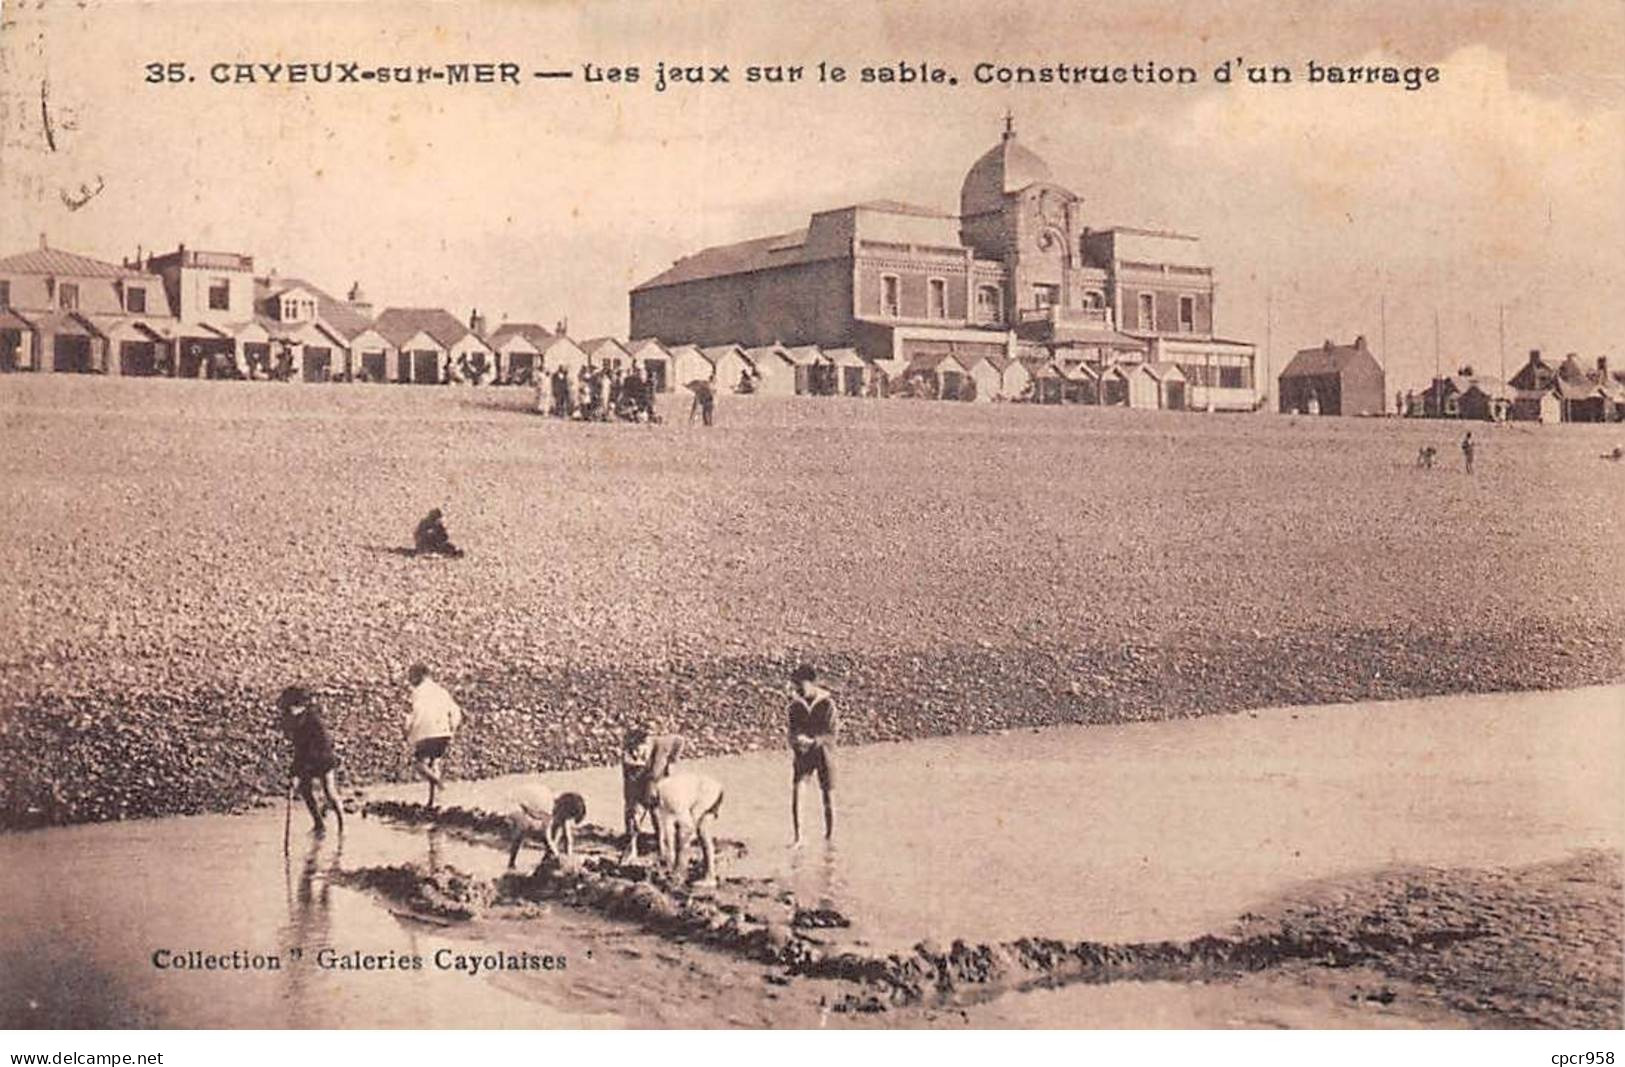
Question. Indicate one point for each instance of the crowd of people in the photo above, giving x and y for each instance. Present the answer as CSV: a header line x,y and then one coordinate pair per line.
x,y
598,394
681,806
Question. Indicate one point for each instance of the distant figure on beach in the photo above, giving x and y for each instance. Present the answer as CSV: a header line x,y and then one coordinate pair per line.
x,y
812,744
535,811
1424,457
313,758
646,757
430,725
1467,449
1616,455
431,539
686,805
705,400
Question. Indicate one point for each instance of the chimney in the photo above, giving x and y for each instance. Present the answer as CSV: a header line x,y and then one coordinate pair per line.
x,y
1534,356
1602,367
1359,342
476,322
43,244
562,327
1328,345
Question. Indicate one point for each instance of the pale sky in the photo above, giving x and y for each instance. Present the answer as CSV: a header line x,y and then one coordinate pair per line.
x,y
1500,186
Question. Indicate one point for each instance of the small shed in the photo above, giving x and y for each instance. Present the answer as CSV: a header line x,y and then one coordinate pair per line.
x,y
605,353
1014,377
1170,385
815,375
1114,385
423,339
518,348
851,373
559,352
734,371
652,357
1048,384
775,370
986,380
1080,384
1144,391
689,364
369,356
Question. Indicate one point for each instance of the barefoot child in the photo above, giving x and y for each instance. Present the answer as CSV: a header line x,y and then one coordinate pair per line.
x,y
313,759
686,804
430,726
535,810
812,744
646,757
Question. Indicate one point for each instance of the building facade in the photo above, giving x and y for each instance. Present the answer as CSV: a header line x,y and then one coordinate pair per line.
x,y
1016,268
1333,380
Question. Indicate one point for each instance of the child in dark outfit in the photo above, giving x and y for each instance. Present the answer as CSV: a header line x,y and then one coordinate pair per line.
x,y
313,759
431,539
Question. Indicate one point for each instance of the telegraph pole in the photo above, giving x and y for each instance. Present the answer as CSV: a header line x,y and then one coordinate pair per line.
x,y
1438,389
1269,360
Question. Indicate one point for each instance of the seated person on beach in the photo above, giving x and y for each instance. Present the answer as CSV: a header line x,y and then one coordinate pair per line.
x,y
536,811
431,538
646,757
313,758
686,804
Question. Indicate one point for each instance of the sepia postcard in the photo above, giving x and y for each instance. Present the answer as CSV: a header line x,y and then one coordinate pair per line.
x,y
851,516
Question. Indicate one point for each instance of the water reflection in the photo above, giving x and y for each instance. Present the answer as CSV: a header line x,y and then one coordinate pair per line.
x,y
816,877
309,929
435,835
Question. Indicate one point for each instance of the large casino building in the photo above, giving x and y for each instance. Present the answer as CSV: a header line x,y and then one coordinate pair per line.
x,y
1015,274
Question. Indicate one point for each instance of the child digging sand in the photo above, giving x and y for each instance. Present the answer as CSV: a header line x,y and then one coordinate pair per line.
x,y
686,804
536,811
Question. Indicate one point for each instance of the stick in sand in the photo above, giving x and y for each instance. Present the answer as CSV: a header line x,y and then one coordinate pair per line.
x,y
287,819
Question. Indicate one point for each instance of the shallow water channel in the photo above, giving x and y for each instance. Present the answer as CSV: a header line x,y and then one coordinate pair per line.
x,y
1114,833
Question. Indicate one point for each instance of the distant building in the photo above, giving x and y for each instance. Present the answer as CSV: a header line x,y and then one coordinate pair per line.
x,y
1567,392
63,312
1333,380
1016,265
426,343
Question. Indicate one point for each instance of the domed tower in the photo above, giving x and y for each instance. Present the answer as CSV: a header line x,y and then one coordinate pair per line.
x,y
1011,211
1007,167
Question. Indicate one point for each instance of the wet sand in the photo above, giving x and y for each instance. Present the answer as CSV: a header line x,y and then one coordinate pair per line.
x,y
1156,830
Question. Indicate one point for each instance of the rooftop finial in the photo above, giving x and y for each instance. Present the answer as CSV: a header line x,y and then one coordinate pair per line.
x,y
1009,124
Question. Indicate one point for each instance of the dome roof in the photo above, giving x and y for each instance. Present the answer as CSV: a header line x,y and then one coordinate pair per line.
x,y
1006,167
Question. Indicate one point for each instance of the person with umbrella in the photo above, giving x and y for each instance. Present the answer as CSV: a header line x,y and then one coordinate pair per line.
x,y
705,399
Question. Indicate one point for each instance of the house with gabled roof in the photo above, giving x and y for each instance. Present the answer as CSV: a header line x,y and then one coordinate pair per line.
x,y
422,341
299,332
61,311
1333,379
